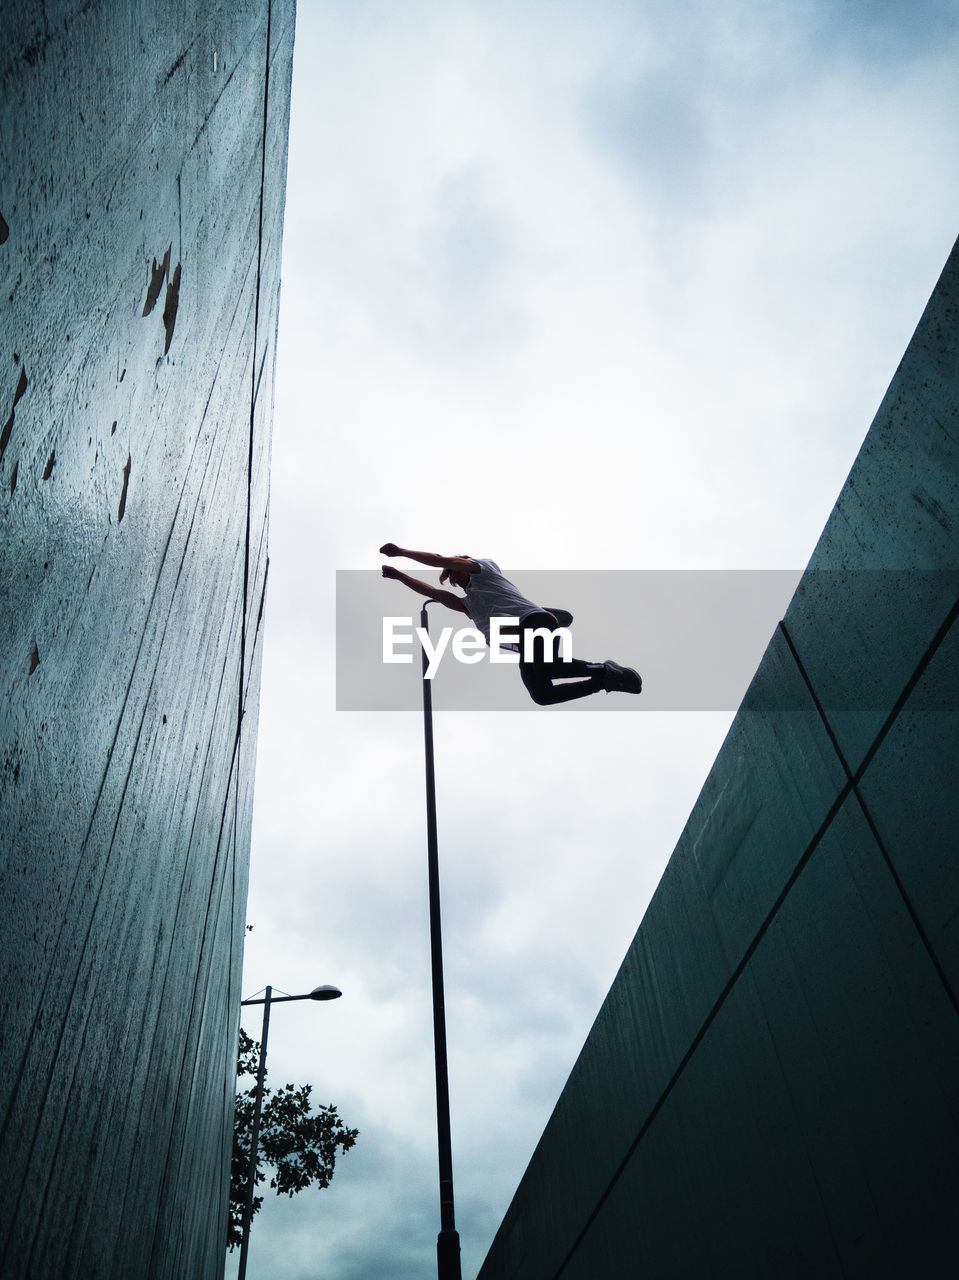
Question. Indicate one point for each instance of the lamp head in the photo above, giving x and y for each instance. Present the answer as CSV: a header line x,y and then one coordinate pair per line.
x,y
325,992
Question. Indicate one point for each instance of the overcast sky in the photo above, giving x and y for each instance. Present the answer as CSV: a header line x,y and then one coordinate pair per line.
x,y
575,285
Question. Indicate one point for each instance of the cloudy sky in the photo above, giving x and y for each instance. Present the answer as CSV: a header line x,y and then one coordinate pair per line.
x,y
576,285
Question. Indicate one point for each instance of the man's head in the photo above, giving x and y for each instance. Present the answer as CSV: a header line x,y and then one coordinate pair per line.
x,y
456,577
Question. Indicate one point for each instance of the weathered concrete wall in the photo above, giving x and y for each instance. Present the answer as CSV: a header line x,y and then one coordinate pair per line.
x,y
142,182
772,1085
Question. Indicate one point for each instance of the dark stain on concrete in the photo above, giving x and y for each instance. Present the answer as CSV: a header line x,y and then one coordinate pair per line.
x,y
13,476
932,507
126,483
35,52
176,66
7,431
170,306
157,276
34,660
4,230
48,469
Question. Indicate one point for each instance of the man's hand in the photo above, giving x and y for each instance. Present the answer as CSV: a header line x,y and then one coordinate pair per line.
x,y
390,549
427,589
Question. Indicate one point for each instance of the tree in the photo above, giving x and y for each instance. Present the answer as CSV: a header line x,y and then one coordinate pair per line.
x,y
300,1147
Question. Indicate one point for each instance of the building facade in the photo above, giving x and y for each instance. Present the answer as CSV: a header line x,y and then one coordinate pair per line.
x,y
771,1087
142,181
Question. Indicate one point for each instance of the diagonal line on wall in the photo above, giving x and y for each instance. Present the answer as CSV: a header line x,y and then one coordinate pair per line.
x,y
253,375
850,787
750,951
854,779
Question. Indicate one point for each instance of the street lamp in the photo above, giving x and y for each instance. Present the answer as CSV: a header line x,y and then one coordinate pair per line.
x,y
325,992
448,1241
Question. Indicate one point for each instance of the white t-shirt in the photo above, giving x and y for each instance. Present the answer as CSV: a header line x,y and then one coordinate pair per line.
x,y
490,595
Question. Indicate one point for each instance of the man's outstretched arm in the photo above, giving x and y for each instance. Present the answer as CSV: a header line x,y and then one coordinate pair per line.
x,y
430,559
424,589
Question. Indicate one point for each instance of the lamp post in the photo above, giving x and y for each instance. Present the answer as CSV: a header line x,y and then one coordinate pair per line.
x,y
325,992
448,1241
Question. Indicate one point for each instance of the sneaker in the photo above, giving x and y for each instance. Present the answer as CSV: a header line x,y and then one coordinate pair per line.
x,y
621,679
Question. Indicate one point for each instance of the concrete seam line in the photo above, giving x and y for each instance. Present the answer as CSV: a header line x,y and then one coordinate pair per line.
x,y
856,778
737,973
850,787
253,377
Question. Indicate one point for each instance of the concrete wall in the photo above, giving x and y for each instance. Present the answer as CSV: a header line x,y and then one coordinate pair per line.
x,y
139,279
771,1087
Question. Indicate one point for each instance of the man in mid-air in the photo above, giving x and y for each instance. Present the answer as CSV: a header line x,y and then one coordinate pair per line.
x,y
487,594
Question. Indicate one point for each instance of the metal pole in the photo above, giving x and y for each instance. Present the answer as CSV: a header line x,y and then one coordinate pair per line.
x,y
448,1241
255,1136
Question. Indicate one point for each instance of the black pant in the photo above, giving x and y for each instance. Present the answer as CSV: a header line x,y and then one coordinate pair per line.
x,y
544,666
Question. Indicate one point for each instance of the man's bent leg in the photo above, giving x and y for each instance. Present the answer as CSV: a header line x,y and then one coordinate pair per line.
x,y
539,682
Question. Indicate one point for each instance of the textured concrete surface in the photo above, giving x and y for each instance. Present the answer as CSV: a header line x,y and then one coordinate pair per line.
x,y
142,182
771,1087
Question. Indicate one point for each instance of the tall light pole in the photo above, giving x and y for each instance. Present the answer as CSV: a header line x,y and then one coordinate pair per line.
x,y
448,1241
318,993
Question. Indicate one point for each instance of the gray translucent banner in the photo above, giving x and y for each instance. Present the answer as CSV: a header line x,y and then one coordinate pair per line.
x,y
696,638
